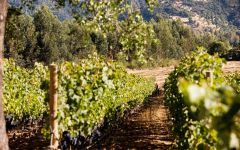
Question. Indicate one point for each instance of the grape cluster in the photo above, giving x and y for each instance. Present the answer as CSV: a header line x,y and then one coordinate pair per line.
x,y
78,142
10,123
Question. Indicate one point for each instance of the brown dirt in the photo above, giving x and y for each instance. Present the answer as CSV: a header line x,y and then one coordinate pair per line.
x,y
161,73
147,128
27,138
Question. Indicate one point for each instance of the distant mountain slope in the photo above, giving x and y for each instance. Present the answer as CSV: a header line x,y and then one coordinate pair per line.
x,y
61,12
203,15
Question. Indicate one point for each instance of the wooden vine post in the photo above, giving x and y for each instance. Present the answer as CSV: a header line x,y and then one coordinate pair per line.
x,y
53,106
209,76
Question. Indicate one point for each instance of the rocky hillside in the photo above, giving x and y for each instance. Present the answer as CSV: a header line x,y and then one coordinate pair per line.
x,y
205,15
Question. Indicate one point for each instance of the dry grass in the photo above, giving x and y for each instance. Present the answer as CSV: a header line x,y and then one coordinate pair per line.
x,y
161,73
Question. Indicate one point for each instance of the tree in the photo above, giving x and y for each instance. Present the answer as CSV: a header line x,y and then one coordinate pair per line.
x,y
78,40
100,42
114,45
168,42
51,37
123,18
3,135
218,47
21,44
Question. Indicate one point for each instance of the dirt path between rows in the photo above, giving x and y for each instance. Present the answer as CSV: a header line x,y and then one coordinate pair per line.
x,y
147,128
150,127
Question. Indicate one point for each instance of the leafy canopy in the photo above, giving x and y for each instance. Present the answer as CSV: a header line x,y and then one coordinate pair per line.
x,y
119,16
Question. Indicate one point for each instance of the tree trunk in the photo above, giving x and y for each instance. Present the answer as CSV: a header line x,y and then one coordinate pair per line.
x,y
3,135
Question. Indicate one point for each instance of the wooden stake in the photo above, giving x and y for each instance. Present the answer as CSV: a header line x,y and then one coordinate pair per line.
x,y
53,106
209,76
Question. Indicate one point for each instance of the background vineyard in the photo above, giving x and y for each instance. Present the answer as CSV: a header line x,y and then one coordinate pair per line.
x,y
90,92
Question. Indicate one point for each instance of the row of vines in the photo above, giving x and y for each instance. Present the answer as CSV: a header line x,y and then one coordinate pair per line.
x,y
205,111
90,92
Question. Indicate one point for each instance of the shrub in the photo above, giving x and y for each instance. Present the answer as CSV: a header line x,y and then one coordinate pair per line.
x,y
23,91
191,68
234,80
216,115
93,90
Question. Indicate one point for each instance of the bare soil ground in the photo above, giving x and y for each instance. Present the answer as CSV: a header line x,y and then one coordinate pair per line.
x,y
161,73
27,138
147,128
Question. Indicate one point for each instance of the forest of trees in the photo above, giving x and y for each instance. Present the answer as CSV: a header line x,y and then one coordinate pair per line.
x,y
42,37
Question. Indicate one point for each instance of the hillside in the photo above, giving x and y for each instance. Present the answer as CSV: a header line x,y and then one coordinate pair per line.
x,y
204,15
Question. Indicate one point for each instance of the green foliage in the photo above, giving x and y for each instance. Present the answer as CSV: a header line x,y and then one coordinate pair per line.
x,y
118,36
100,42
234,80
88,92
192,68
124,19
117,33
23,91
114,45
51,37
218,47
78,41
94,89
215,110
20,40
133,38
121,32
